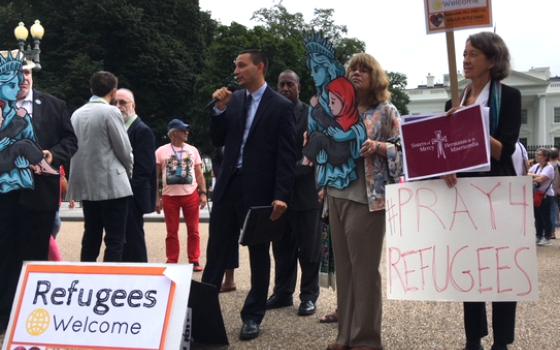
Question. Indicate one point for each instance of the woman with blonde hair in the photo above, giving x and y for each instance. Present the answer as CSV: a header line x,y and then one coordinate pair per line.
x,y
357,213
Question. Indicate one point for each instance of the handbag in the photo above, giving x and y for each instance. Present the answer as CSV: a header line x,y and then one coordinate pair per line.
x,y
538,198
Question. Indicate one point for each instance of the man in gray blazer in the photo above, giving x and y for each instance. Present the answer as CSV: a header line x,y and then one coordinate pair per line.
x,y
100,170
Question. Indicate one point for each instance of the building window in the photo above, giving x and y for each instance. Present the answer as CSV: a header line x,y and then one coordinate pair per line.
x,y
523,116
557,142
557,114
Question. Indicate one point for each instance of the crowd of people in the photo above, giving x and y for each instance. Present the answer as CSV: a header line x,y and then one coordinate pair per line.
x,y
114,173
118,176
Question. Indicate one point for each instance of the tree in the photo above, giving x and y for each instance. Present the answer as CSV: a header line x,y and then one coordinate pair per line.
x,y
323,21
281,23
172,58
293,28
156,54
281,34
397,87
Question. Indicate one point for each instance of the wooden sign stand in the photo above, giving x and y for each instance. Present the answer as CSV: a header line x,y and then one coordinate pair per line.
x,y
451,59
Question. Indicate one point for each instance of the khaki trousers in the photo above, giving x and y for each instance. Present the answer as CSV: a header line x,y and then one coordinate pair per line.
x,y
357,237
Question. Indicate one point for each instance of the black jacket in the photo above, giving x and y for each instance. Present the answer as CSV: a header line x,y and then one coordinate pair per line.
x,y
304,196
269,156
143,181
54,132
507,132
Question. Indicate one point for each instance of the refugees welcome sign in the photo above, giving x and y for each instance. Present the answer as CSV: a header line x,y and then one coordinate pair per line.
x,y
99,306
473,242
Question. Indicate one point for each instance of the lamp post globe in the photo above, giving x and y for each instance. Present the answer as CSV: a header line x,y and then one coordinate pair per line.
x,y
37,30
20,32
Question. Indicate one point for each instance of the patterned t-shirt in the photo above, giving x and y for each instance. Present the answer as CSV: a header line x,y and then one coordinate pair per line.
x,y
177,169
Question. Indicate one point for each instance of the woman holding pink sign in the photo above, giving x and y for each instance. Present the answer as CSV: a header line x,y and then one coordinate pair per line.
x,y
486,62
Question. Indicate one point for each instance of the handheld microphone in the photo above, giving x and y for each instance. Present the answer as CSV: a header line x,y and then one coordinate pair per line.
x,y
211,104
231,85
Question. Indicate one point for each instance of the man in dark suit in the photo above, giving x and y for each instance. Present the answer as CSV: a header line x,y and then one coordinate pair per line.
x,y
27,216
256,126
143,181
302,241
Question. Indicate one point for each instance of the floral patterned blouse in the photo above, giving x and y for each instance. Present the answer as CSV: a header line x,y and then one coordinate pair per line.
x,y
382,124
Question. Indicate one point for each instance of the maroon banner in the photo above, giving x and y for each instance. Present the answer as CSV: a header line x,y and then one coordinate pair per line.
x,y
439,145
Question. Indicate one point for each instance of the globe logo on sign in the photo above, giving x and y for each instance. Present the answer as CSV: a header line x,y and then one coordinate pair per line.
x,y
38,322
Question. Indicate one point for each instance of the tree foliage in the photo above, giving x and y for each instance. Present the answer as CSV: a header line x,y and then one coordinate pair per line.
x,y
169,53
397,87
156,54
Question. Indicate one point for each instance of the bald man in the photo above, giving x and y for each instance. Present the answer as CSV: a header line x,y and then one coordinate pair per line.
x,y
302,242
143,181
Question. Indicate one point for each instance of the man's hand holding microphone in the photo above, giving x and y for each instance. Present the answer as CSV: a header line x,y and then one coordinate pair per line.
x,y
222,96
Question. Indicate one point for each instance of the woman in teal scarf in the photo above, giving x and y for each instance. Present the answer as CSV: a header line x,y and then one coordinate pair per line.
x,y
485,63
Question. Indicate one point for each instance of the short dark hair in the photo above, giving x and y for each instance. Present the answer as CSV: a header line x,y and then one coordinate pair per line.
x,y
257,57
102,83
495,49
289,71
545,152
554,153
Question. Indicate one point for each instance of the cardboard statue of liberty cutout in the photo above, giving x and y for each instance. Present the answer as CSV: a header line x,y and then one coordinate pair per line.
x,y
335,131
19,151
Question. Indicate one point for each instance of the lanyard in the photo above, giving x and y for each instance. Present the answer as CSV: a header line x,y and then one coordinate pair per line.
x,y
179,159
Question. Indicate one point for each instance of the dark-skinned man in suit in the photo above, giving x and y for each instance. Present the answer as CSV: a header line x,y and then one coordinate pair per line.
x,y
143,181
302,241
257,127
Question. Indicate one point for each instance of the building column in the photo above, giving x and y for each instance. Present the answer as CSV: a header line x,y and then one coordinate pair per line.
x,y
542,121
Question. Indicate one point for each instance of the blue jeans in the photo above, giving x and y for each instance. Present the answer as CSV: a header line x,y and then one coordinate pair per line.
x,y
543,224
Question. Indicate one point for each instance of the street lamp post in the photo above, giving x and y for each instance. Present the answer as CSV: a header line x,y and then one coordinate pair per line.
x,y
37,31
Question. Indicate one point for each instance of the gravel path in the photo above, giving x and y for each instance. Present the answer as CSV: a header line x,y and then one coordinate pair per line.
x,y
406,325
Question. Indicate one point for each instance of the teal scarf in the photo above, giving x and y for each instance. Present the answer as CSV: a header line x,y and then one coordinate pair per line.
x,y
494,102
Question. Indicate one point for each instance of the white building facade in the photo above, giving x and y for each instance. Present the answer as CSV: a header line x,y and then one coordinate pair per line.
x,y
540,103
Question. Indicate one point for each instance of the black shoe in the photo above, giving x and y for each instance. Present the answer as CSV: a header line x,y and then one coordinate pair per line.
x,y
275,302
499,347
249,330
474,345
306,308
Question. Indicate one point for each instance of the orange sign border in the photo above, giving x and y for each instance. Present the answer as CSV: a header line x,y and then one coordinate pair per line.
x,y
94,270
444,28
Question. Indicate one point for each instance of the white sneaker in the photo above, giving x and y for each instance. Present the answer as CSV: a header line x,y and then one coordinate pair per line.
x,y
540,241
546,242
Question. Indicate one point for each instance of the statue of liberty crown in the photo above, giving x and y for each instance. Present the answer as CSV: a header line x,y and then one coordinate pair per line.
x,y
316,43
11,61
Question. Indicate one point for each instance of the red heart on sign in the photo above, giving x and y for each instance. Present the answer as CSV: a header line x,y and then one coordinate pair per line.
x,y
436,20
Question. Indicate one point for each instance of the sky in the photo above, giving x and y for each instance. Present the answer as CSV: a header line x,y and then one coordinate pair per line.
x,y
395,31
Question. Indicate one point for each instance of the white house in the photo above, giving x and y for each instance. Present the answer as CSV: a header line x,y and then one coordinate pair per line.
x,y
540,104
